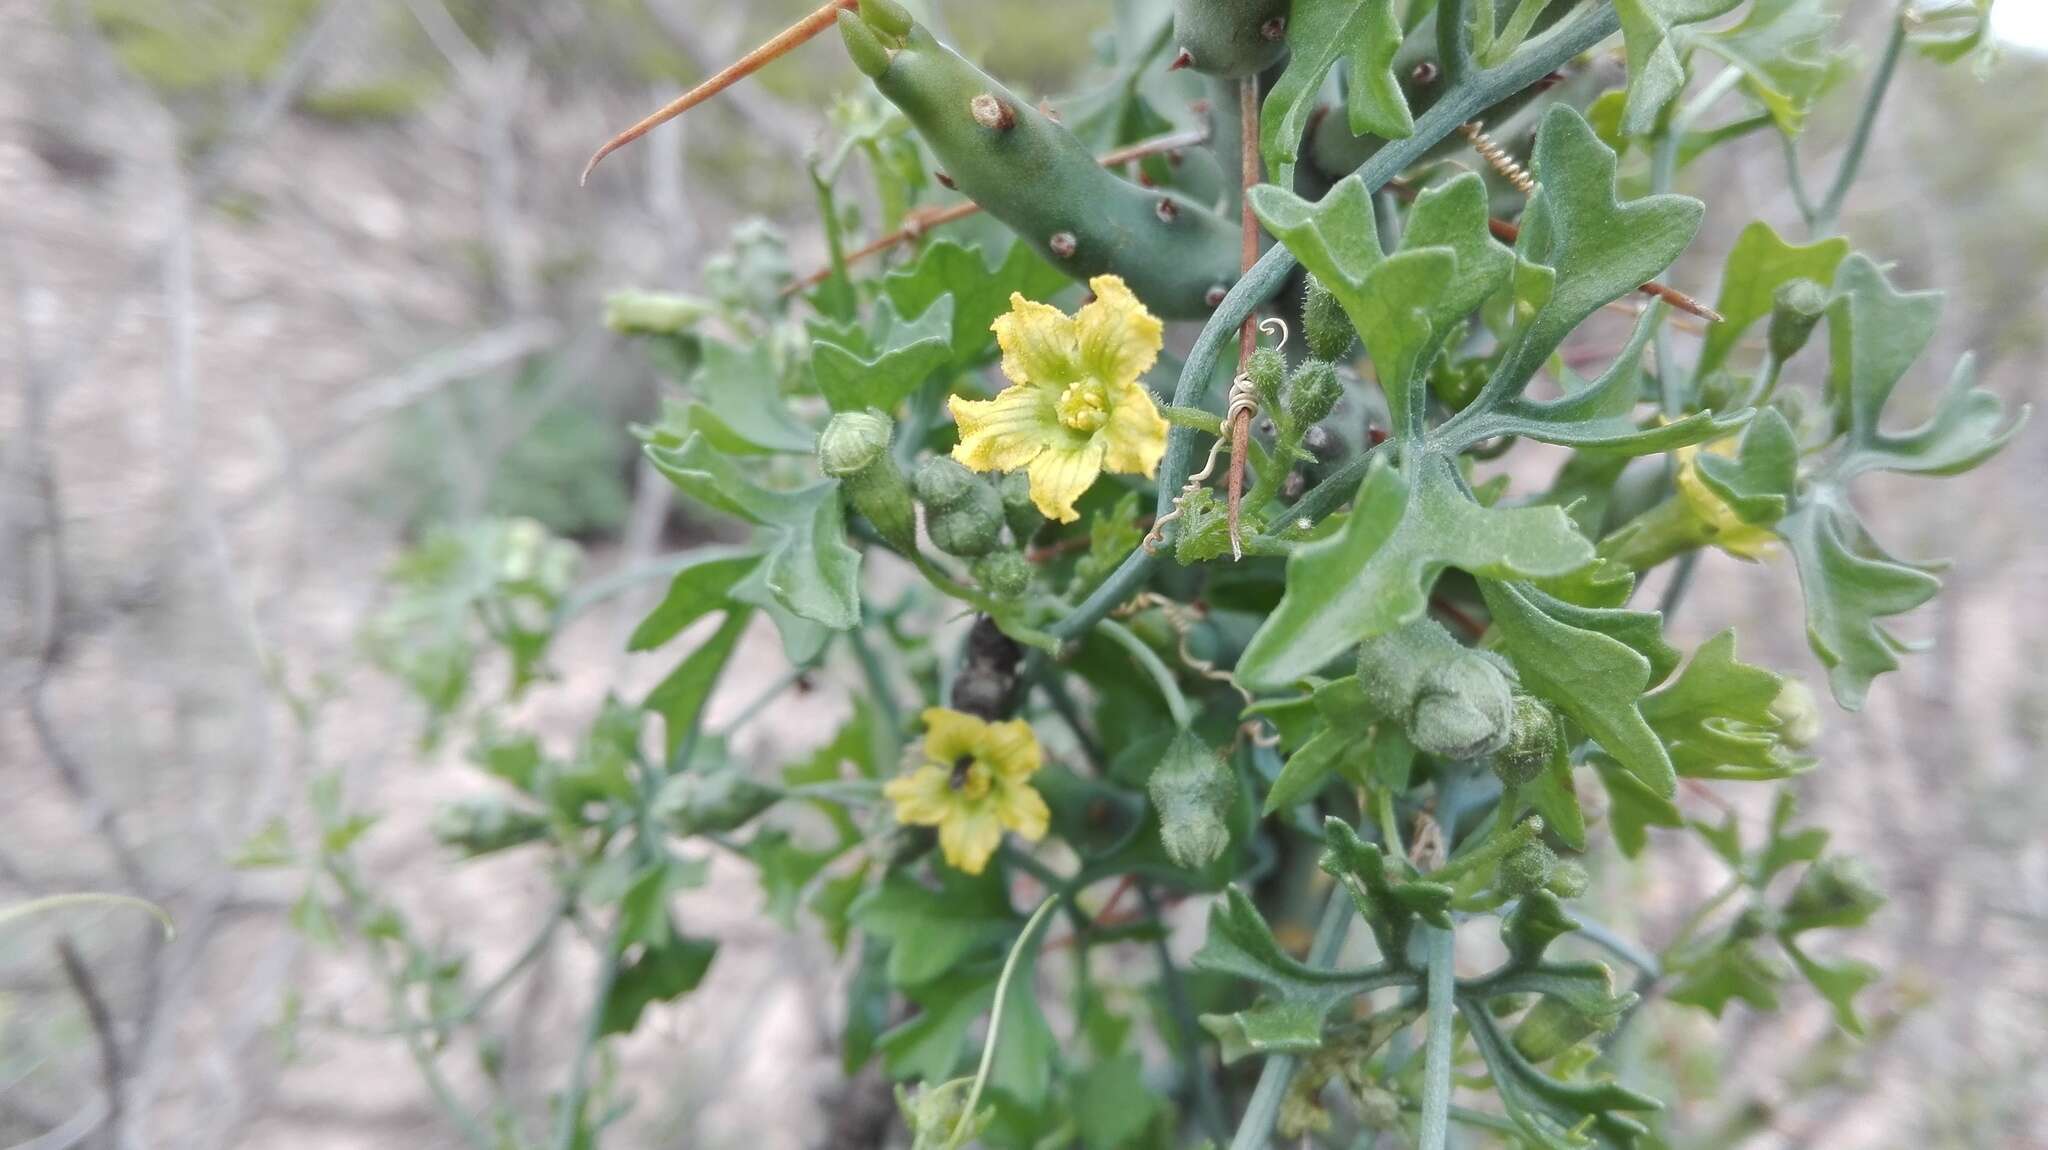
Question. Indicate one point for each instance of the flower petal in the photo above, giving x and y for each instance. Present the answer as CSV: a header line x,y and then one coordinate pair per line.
x,y
949,734
1119,340
1007,432
1011,750
971,836
1061,474
1135,437
1023,810
1038,344
922,797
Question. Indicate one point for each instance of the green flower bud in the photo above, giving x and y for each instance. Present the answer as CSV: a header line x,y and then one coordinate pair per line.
x,y
1192,788
1532,740
713,802
1456,703
1525,869
886,16
485,825
1004,574
1554,1026
864,45
1570,879
1798,715
1836,891
653,313
1313,392
1324,323
963,513
854,448
1797,306
933,1113
1019,511
1268,370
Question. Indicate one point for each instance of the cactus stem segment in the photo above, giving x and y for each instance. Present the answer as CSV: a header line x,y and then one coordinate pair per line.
x,y
825,17
992,113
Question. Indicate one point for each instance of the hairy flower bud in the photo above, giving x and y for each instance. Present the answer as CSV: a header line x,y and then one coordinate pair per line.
x,y
1836,891
1456,703
1192,788
701,802
486,824
1325,325
1532,740
933,1114
1526,869
1268,371
1313,392
1797,306
1019,511
1798,715
1570,879
854,448
963,513
1004,574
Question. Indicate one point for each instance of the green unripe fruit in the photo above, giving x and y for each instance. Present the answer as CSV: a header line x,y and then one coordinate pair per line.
x,y
854,449
1554,1026
886,16
481,826
1004,574
1230,38
1325,325
1313,392
1570,879
864,45
1525,869
711,802
1192,788
1798,715
1268,370
962,512
1019,511
1836,891
1456,703
1532,740
1796,307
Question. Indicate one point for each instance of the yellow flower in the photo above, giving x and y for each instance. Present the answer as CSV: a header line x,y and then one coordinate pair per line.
x,y
1730,532
1075,408
976,780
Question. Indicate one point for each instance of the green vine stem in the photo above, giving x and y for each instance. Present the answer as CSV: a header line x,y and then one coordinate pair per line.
x,y
1256,1127
1162,675
1441,948
1823,221
995,1017
1466,99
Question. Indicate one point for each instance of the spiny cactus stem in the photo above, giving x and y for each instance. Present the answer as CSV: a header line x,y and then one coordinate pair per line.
x,y
923,220
738,70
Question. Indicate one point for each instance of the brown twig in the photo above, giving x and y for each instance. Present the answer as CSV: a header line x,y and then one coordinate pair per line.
x,y
784,41
1248,254
113,1069
923,220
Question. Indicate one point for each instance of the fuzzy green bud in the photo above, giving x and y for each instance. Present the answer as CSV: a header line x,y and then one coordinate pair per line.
x,y
1836,891
1019,511
1554,1026
711,802
1456,703
653,313
1796,307
1532,740
1525,869
1004,574
1798,715
1313,392
1192,788
854,449
1324,323
1570,879
1268,370
863,45
486,825
886,16
933,1114
962,512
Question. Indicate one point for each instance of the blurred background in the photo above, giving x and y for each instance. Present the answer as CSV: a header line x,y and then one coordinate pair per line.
x,y
284,283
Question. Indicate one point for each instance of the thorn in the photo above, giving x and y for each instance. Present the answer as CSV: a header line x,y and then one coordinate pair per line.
x,y
797,33
1181,59
1166,210
992,113
945,181
1214,296
1274,29
1425,73
1046,109
1550,81
1063,244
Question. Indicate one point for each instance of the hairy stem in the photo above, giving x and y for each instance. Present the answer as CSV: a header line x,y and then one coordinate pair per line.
x,y
995,1015
1440,946
1162,675
1823,221
1255,1129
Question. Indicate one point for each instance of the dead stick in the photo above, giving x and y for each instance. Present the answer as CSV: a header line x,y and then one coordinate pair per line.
x,y
1248,335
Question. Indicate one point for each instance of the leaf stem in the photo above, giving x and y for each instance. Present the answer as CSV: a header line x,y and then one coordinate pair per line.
x,y
1256,1127
995,1017
1162,675
569,1122
1207,1105
1859,140
1440,947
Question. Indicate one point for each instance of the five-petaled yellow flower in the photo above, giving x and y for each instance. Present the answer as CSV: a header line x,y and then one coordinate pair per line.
x,y
1076,408
976,780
